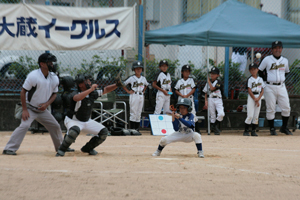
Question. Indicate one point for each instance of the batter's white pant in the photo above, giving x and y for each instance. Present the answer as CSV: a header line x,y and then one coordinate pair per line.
x,y
252,110
162,101
181,137
277,93
216,104
46,119
136,102
90,127
242,59
193,107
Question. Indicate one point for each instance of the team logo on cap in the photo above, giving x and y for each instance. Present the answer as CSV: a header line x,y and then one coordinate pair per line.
x,y
139,63
187,66
213,68
276,42
252,64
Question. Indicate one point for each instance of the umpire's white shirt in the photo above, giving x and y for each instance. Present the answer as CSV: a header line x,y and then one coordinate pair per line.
x,y
40,88
276,69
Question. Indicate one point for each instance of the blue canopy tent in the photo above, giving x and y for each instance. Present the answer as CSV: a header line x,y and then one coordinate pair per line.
x,y
231,24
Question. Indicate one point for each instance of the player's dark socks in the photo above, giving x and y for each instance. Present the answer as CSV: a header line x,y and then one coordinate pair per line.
x,y
137,126
271,124
199,146
132,124
254,127
284,121
160,148
247,127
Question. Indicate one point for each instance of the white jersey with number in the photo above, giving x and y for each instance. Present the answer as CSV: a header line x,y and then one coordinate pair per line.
x,y
136,100
275,69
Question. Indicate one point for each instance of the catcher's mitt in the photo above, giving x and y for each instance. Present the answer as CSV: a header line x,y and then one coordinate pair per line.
x,y
118,80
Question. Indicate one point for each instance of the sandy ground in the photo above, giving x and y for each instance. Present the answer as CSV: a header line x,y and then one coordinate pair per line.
x,y
234,167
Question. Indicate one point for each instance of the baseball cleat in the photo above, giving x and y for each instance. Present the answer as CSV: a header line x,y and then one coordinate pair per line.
x,y
156,153
200,154
246,133
272,131
253,133
92,152
9,152
70,150
285,131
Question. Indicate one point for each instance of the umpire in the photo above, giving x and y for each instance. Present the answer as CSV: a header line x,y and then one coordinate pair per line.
x,y
274,69
38,92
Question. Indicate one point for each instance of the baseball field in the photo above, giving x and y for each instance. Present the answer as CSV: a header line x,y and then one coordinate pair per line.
x,y
234,167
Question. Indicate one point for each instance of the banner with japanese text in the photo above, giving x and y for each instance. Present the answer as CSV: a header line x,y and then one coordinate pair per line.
x,y
36,27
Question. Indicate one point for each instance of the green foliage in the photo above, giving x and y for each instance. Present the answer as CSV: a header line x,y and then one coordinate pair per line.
x,y
23,66
293,77
107,68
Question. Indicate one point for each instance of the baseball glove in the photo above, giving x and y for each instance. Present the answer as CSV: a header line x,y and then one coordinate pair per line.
x,y
118,80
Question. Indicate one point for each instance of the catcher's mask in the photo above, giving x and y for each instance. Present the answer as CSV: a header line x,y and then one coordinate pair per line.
x,y
185,102
49,59
84,78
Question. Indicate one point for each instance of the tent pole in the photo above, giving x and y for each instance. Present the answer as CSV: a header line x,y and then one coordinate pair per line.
x,y
252,54
208,92
141,20
226,72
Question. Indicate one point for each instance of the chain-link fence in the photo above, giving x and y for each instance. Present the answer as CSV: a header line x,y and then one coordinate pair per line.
x,y
157,14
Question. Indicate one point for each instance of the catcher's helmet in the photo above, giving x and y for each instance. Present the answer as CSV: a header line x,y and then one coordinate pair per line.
x,y
185,67
185,102
137,64
80,78
67,82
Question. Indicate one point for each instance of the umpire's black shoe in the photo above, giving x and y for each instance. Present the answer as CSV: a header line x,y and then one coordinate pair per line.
x,y
9,152
70,150
285,131
272,131
90,152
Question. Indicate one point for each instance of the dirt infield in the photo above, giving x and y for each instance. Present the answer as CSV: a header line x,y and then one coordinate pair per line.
x,y
234,167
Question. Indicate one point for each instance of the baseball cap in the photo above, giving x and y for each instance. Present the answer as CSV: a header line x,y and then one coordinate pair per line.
x,y
163,62
45,57
276,44
253,65
214,70
186,67
137,64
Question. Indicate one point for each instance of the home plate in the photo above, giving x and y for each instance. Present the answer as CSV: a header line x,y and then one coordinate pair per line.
x,y
166,158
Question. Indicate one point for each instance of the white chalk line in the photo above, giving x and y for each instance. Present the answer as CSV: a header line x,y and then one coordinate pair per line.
x,y
151,172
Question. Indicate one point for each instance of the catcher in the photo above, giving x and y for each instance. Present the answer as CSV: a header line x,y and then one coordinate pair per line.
x,y
79,113
183,125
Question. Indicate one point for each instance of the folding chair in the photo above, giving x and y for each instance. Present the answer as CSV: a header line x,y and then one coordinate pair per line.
x,y
110,114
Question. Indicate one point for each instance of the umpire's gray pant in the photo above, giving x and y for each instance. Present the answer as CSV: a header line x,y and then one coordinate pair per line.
x,y
46,119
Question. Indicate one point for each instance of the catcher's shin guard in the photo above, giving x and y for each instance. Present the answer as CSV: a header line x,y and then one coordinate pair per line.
x,y
69,138
95,141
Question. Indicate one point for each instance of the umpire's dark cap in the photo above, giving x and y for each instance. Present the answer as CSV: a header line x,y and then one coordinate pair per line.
x,y
276,44
186,67
47,57
214,70
163,62
253,65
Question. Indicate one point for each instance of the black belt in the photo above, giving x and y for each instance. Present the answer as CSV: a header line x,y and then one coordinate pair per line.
x,y
255,92
216,97
167,90
140,93
273,83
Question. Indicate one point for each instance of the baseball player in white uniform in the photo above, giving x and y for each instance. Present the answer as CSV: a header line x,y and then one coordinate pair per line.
x,y
274,68
214,87
185,87
183,124
255,87
79,116
163,84
38,92
138,85
239,55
